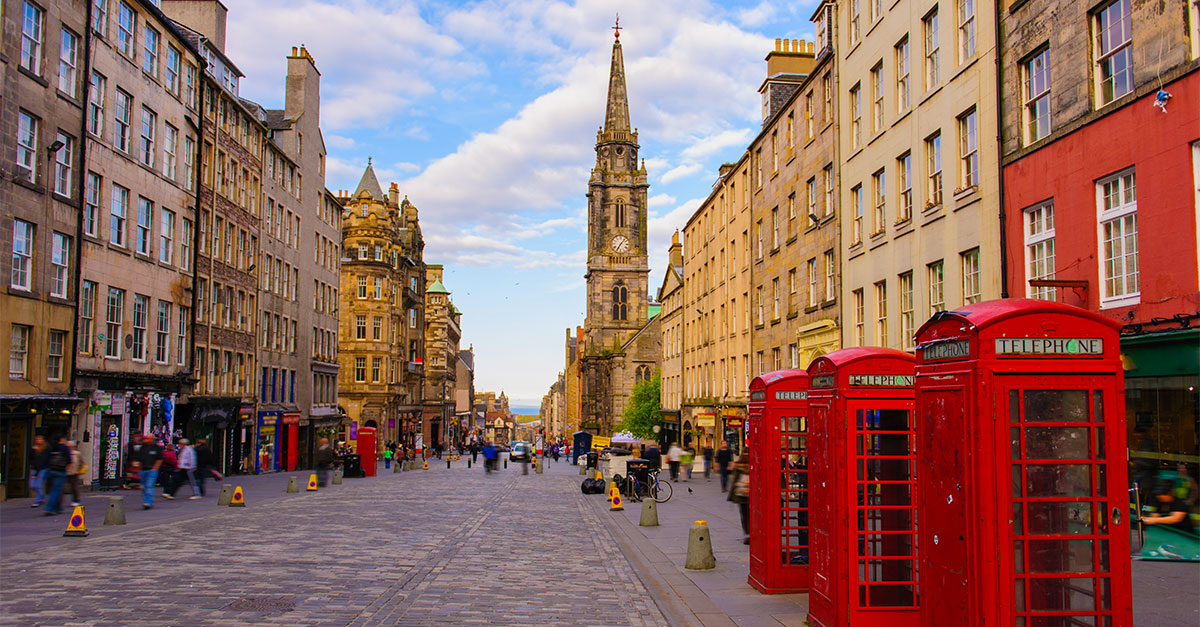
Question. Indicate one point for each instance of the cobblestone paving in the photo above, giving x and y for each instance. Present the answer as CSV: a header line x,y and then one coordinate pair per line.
x,y
430,547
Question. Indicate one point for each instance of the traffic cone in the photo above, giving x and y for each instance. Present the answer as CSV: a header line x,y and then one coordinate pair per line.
x,y
312,483
425,465
615,499
239,499
76,528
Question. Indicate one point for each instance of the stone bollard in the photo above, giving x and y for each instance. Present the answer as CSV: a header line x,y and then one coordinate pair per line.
x,y
225,496
538,467
699,550
583,471
395,468
337,477
293,486
649,513
115,514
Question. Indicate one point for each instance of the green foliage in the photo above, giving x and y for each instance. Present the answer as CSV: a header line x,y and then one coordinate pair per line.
x,y
644,411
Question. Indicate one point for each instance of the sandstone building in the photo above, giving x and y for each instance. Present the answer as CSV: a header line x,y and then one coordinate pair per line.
x,y
443,332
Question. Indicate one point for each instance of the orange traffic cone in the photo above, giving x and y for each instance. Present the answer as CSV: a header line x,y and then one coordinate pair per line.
x,y
239,499
76,527
312,483
616,502
425,465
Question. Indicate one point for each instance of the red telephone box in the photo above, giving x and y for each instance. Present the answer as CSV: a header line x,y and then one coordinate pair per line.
x,y
778,433
1023,517
366,450
861,446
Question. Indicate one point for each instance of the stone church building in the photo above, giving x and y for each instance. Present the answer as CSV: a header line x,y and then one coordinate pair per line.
x,y
621,337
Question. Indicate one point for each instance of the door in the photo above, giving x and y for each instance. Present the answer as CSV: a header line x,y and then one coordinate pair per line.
x,y
1069,533
16,441
823,495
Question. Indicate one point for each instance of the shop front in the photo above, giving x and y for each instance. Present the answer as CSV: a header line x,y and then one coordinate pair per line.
x,y
1162,379
267,457
111,419
225,424
21,418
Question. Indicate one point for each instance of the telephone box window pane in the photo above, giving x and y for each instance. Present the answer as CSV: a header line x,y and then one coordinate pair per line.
x,y
1018,519
1019,560
1060,556
1060,595
875,494
1097,406
891,596
1106,597
1014,406
1102,545
1014,434
1019,594
1101,480
1099,442
1062,621
889,545
1058,480
1016,482
1060,518
1056,443
1056,406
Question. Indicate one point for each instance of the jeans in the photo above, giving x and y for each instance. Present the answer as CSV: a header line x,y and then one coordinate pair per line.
x,y
149,478
188,475
54,500
724,478
37,481
387,462
707,467
674,466
202,473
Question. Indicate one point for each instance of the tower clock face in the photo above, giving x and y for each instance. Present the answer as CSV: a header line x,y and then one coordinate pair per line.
x,y
620,244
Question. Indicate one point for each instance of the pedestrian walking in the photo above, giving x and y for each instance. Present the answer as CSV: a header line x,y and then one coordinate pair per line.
x,y
489,457
150,458
674,454
739,493
474,452
39,459
204,463
185,471
686,460
724,461
324,461
707,454
56,474
75,471
387,458
167,472
653,456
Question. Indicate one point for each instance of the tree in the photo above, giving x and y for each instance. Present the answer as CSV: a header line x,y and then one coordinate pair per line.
x,y
644,411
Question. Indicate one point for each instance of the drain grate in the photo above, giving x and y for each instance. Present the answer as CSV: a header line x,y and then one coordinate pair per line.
x,y
262,604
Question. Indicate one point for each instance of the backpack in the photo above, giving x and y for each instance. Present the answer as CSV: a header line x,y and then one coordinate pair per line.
x,y
58,461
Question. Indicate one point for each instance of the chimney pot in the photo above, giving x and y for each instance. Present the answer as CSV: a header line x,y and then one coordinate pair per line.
x,y
798,46
293,51
777,44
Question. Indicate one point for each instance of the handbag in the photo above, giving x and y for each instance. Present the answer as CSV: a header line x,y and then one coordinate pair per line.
x,y
742,487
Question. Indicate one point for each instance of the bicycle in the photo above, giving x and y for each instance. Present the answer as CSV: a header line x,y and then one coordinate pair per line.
x,y
655,488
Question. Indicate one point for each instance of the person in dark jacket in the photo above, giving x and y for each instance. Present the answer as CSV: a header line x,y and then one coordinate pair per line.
x,y
39,459
204,462
150,458
324,461
56,474
724,459
654,456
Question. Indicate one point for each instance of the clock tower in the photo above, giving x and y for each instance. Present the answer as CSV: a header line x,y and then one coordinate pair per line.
x,y
618,266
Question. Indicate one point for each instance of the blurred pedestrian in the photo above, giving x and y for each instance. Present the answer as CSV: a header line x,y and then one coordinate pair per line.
x,y
674,454
707,454
39,459
204,462
387,457
150,458
1172,510
653,456
185,471
686,460
724,464
167,471
739,493
56,474
474,451
75,471
324,461
489,457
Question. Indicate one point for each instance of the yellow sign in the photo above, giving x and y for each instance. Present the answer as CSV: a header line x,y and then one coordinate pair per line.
x,y
599,442
706,420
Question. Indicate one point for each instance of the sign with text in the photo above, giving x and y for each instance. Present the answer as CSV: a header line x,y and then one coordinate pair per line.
x,y
1050,346
881,380
791,395
599,442
945,351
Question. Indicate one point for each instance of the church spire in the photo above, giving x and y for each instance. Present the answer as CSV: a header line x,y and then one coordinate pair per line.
x,y
616,117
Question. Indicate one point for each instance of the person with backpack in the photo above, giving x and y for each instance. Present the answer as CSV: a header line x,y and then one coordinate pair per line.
x,y
56,474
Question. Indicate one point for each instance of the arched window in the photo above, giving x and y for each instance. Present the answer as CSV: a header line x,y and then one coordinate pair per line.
x,y
643,373
620,212
620,296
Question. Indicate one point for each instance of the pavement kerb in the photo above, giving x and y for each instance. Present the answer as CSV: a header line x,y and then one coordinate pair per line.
x,y
669,596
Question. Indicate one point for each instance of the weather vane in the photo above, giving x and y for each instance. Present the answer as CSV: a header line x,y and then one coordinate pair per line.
x,y
617,28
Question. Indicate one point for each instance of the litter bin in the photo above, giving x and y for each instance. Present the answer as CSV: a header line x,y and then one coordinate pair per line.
x,y
638,468
352,465
593,459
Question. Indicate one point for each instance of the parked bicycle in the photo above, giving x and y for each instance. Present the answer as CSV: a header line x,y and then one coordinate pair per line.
x,y
654,488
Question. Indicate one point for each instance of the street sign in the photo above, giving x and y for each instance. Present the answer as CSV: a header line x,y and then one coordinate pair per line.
x,y
599,442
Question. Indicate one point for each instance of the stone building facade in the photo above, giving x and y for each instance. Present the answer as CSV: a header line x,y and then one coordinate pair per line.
x,y
919,176
618,267
137,253
44,88
381,314
670,297
443,332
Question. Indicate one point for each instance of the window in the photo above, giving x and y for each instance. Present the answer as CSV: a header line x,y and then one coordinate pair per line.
x,y
759,306
18,352
855,14
774,299
877,98
812,200
830,277
933,165
792,287
812,282
809,125
881,336
907,315
904,165
619,213
144,218
412,318
932,72
360,327
170,141
60,262
966,30
1036,75
860,328
68,54
968,148
758,230
87,316
1039,249
937,296
64,172
378,288
970,276
114,318
173,69
775,228
32,33
141,309
620,297
879,192
91,204
100,16
1114,51
150,51
162,333
827,173
855,117
185,244
1117,205
827,91
856,228
126,19
149,122
22,256
902,72
118,210
166,236
190,94
27,139
376,367
189,163
360,369
181,335
95,107
362,287
121,121
377,328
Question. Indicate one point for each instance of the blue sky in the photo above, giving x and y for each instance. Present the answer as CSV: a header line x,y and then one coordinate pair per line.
x,y
485,113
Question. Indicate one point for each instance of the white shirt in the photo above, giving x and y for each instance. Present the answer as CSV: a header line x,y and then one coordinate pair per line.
x,y
187,458
674,453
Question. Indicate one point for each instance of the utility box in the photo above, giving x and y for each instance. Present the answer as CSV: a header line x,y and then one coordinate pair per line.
x,y
862,444
1024,510
778,434
366,449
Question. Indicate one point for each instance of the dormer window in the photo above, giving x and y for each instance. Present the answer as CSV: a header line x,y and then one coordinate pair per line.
x,y
364,208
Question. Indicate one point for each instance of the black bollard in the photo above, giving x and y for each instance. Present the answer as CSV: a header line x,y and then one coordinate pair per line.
x,y
447,464
468,463
506,464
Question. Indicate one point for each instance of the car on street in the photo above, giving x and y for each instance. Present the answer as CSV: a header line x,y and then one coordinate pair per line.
x,y
521,451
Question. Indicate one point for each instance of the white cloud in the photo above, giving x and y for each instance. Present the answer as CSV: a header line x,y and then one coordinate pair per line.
x,y
679,172
714,143
659,200
757,16
339,142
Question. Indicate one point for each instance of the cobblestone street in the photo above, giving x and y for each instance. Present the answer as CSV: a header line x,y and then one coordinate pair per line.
x,y
416,548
